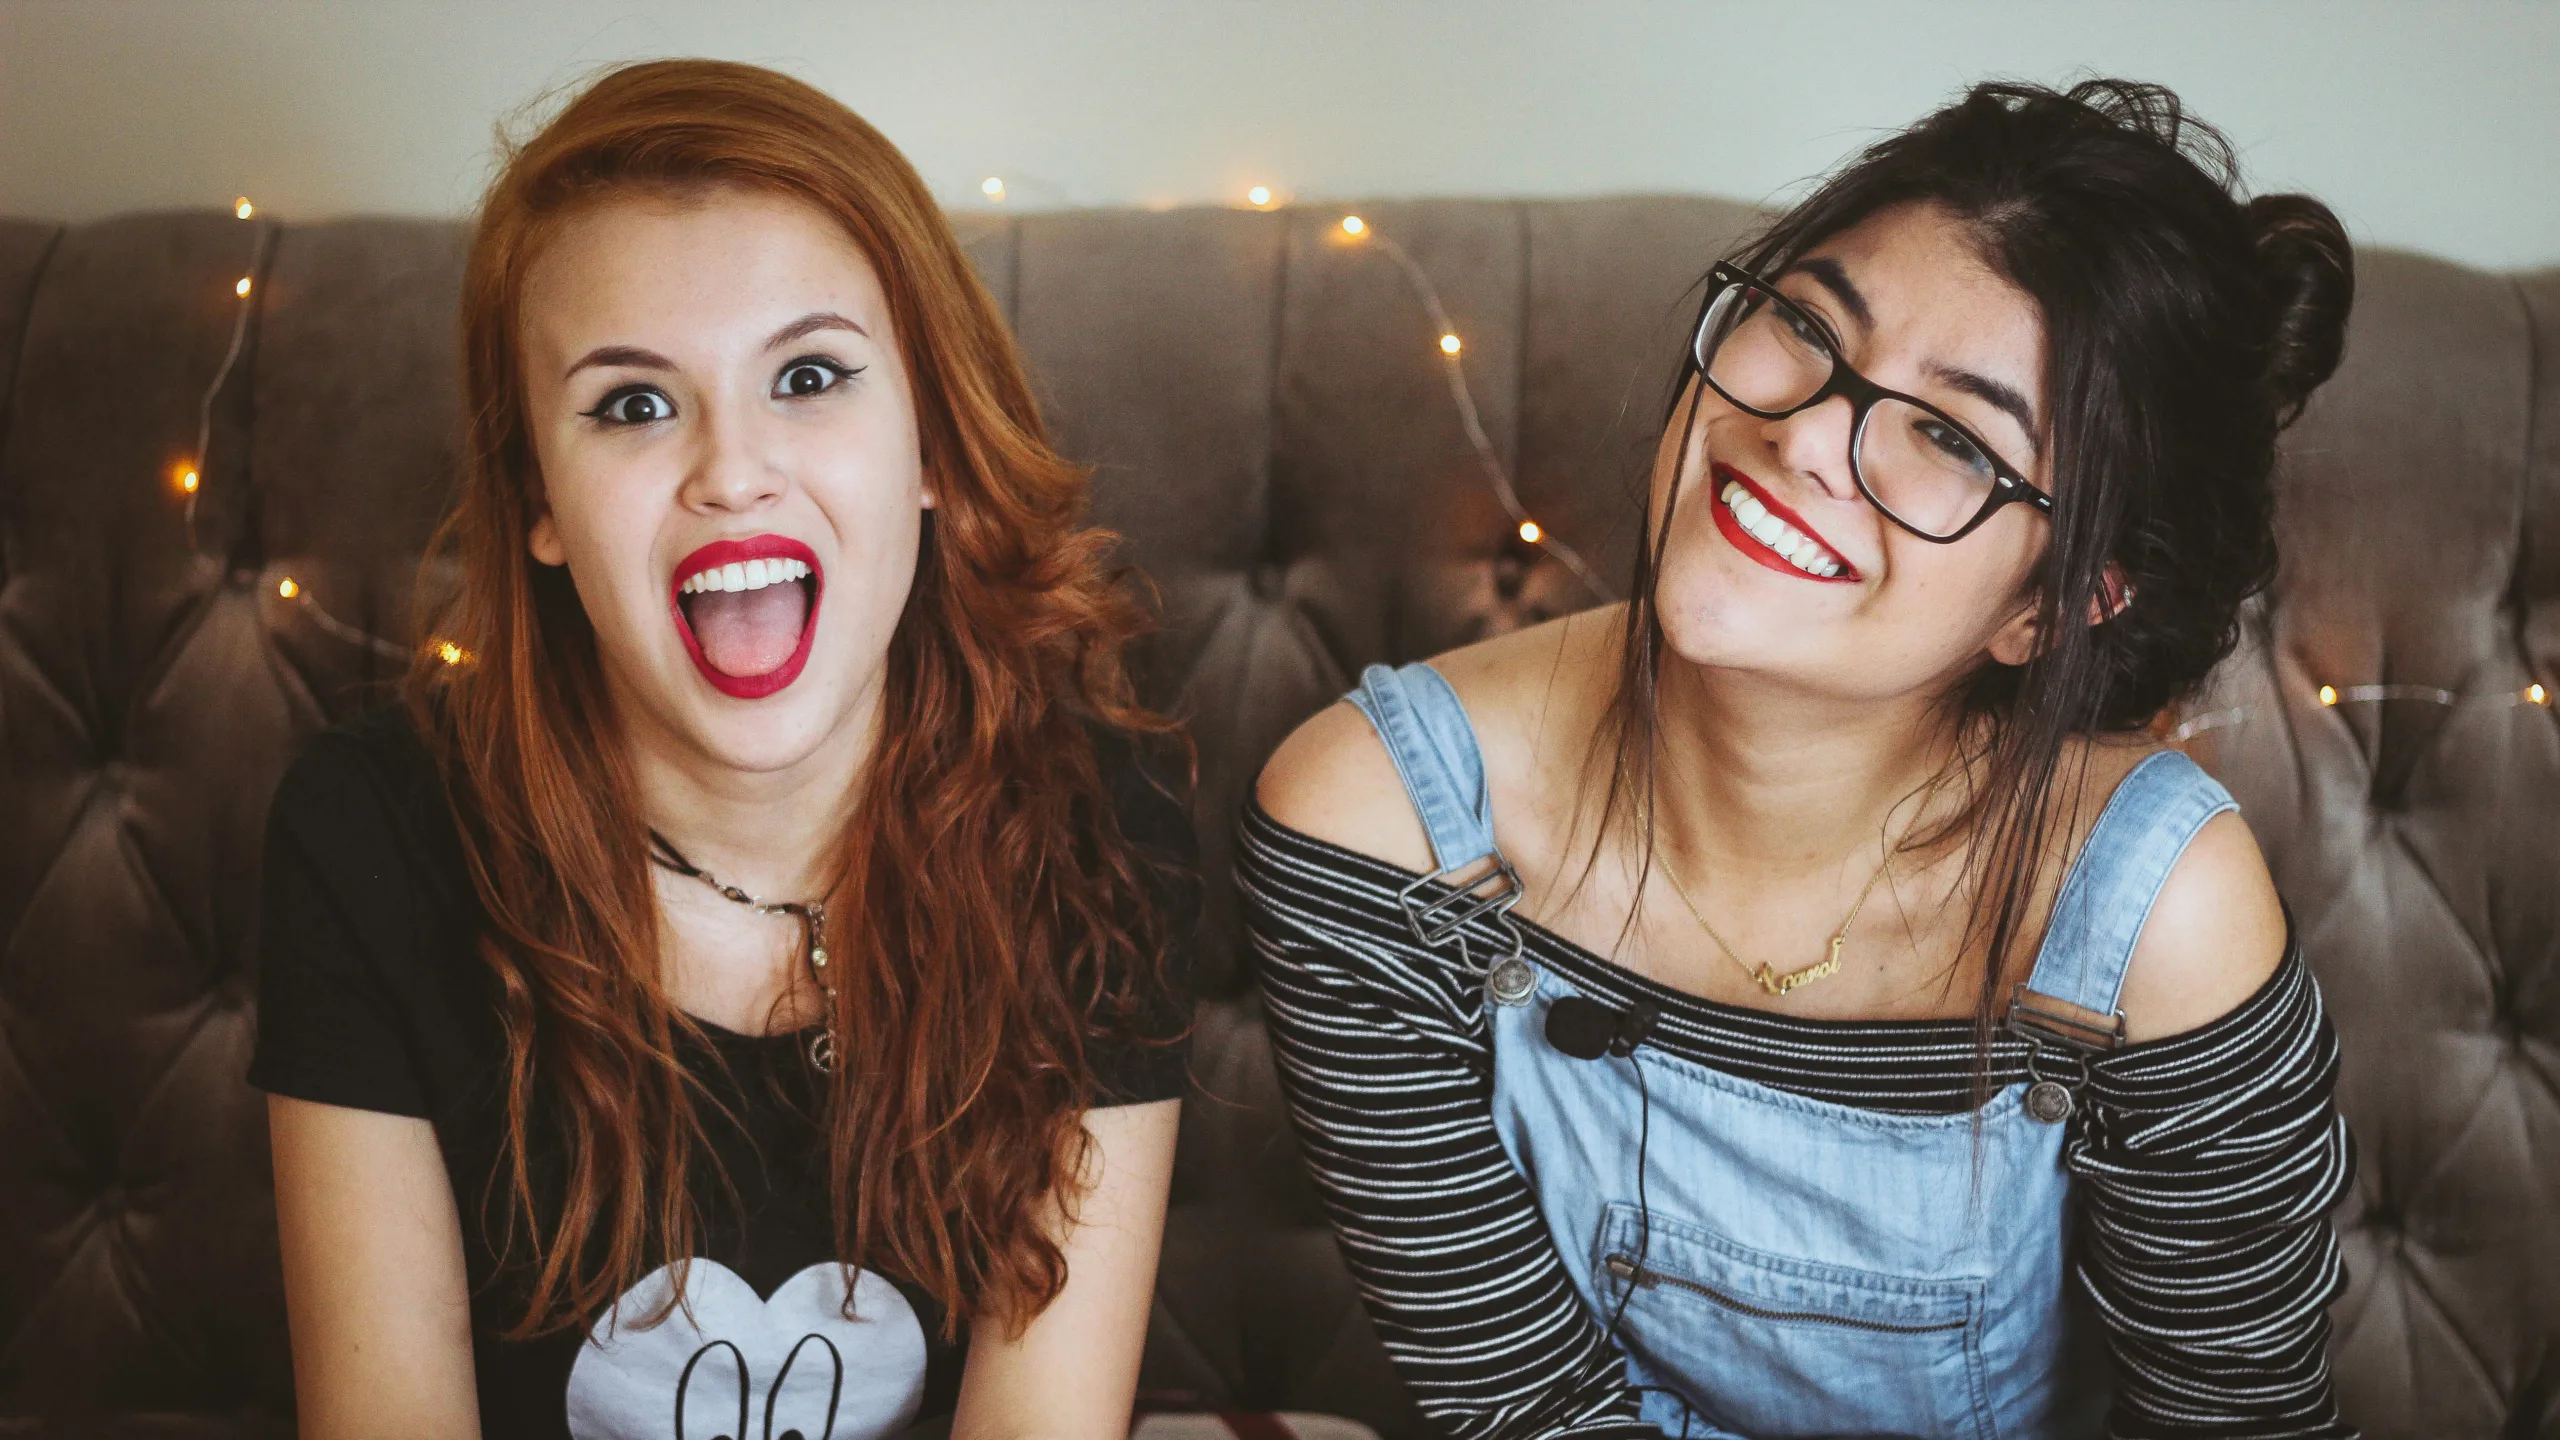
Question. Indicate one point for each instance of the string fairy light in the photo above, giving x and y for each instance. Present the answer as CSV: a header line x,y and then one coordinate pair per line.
x,y
1354,229
1358,231
190,471
2330,697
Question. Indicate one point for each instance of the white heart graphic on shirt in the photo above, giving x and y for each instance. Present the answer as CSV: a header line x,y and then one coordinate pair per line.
x,y
730,1363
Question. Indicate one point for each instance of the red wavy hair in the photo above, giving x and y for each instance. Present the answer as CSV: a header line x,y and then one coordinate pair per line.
x,y
972,1002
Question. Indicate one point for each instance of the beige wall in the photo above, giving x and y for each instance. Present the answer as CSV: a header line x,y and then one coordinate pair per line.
x,y
2433,125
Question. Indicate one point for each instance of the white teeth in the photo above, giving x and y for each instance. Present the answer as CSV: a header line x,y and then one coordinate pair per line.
x,y
1793,546
747,575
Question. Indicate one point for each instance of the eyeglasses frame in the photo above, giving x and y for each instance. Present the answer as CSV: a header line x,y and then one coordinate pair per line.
x,y
2008,486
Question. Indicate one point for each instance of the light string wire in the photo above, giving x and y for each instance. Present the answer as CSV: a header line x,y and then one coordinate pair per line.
x,y
2333,696
1452,350
192,474
1454,365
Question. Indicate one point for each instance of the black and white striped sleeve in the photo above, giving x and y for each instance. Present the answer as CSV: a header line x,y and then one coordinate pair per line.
x,y
1383,1053
2208,1171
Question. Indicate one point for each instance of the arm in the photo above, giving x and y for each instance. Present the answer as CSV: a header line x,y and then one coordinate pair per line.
x,y
2220,1153
1383,1055
1073,1371
373,1277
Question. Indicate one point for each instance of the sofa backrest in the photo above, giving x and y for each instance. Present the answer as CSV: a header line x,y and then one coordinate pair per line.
x,y
1271,428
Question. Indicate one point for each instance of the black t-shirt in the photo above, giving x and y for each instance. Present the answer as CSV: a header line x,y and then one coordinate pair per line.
x,y
373,995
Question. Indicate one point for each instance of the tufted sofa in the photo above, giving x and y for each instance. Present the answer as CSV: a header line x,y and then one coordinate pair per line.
x,y
1272,431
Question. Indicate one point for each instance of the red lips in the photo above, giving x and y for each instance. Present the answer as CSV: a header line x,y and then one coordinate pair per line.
x,y
1730,525
738,552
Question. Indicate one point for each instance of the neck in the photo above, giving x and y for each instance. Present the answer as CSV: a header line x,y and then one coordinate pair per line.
x,y
1772,784
771,833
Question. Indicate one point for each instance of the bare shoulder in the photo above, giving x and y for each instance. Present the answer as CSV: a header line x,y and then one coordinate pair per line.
x,y
2214,934
1333,779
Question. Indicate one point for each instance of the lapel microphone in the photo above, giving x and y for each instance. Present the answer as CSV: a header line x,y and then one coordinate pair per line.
x,y
1586,1029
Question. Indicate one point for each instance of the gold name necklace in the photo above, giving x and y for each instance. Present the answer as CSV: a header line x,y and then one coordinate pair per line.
x,y
1773,981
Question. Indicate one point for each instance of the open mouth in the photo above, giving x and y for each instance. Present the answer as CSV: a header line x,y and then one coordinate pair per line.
x,y
748,611
1758,526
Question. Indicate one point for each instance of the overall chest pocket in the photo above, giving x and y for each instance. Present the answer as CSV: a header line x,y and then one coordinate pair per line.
x,y
1772,1346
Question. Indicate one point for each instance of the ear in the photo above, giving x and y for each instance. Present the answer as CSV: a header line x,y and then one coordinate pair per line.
x,y
2018,640
928,499
543,539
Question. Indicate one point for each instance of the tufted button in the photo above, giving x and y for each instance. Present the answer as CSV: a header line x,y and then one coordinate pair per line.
x,y
1269,579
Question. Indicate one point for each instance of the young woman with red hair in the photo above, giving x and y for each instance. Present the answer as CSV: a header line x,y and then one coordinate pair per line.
x,y
738,994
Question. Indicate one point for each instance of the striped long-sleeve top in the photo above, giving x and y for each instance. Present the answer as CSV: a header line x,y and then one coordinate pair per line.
x,y
2205,1165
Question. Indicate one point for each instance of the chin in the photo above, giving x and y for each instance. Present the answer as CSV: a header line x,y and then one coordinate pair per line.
x,y
768,735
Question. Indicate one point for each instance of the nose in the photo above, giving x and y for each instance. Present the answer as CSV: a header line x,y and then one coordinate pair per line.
x,y
729,474
1814,442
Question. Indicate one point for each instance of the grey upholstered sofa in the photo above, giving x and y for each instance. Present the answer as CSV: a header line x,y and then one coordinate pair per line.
x,y
1271,429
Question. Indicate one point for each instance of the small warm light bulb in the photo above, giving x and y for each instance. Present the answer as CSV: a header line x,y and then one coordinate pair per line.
x,y
287,588
241,289
1449,345
242,208
992,188
1258,195
2328,694
1530,532
2535,693
1354,225
450,653
187,481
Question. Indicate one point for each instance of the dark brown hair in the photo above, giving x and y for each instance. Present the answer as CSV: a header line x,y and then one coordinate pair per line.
x,y
965,1009
2185,328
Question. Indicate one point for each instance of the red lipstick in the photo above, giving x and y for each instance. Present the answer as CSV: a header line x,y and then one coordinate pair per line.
x,y
1730,525
738,552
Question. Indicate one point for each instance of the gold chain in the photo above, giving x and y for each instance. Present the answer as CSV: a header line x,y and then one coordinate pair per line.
x,y
1829,965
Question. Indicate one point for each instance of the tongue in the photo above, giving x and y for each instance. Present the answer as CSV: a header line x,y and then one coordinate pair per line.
x,y
748,632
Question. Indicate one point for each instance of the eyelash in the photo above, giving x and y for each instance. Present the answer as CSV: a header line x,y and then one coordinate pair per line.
x,y
603,411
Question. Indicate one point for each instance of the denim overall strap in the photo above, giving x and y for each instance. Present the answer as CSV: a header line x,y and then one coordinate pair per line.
x,y
2146,825
1427,734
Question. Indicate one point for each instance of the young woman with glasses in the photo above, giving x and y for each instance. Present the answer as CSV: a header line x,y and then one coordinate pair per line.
x,y
1803,1000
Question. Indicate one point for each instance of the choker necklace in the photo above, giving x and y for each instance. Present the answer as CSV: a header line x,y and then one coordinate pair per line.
x,y
813,926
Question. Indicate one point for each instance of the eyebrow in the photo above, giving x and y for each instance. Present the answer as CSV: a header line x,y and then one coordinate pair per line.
x,y
1835,278
633,357
1992,392
811,324
627,355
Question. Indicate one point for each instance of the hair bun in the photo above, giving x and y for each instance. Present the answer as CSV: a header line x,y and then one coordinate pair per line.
x,y
2310,274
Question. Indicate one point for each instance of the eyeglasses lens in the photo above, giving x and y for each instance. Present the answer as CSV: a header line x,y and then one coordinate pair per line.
x,y
1768,357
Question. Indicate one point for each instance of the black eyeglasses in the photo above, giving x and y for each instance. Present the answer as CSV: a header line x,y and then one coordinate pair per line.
x,y
1771,357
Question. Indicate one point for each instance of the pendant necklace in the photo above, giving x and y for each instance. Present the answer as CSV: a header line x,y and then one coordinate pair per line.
x,y
812,916
1829,965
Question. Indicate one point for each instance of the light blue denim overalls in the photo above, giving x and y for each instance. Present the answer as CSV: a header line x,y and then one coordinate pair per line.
x,y
1807,1268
